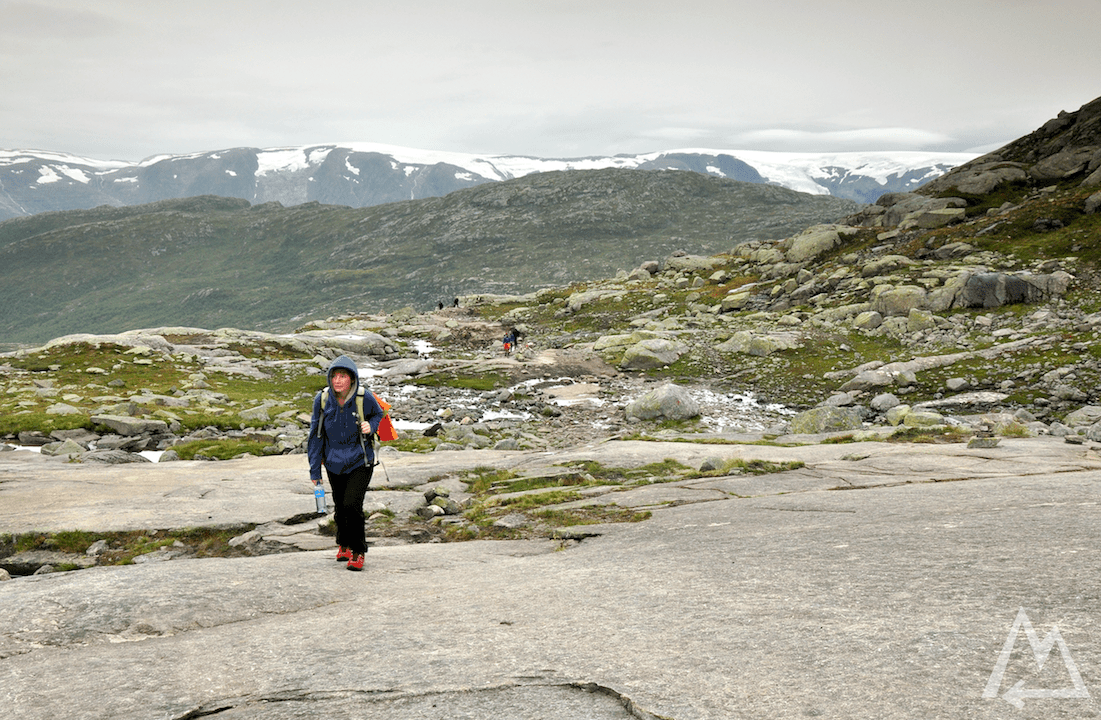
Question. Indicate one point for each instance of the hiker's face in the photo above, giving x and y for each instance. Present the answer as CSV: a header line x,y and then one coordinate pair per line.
x,y
341,381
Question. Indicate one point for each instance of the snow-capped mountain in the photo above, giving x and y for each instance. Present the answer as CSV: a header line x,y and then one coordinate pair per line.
x,y
365,174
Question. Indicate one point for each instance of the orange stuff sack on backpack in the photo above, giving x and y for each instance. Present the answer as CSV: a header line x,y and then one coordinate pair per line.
x,y
386,429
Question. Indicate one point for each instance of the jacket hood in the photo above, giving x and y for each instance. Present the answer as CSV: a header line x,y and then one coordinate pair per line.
x,y
344,363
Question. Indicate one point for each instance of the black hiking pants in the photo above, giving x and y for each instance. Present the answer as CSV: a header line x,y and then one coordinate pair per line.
x,y
349,490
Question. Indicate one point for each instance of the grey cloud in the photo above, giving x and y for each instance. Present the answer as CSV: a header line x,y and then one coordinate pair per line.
x,y
127,79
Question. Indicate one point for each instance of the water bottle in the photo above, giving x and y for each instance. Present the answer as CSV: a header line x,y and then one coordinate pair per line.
x,y
319,498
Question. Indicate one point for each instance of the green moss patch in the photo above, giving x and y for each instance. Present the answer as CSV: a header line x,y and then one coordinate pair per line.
x,y
124,546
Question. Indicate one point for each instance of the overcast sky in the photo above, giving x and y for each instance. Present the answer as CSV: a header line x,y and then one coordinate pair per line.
x,y
126,79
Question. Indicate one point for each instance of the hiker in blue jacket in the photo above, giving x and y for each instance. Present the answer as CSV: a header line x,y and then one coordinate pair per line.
x,y
341,440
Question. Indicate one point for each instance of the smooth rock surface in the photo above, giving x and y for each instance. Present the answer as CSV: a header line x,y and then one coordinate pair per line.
x,y
772,596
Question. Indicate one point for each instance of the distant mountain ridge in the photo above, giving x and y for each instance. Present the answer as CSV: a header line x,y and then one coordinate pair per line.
x,y
368,174
222,262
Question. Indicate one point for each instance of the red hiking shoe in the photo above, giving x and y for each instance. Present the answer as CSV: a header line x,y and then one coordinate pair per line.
x,y
356,563
343,555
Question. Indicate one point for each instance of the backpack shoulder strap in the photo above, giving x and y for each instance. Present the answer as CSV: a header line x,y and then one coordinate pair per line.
x,y
321,420
363,441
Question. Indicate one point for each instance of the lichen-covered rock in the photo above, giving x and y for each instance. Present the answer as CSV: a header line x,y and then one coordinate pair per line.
x,y
669,402
131,426
923,419
826,419
112,457
884,402
885,265
1093,202
62,449
812,242
1064,164
919,320
869,379
257,413
760,345
996,289
691,263
621,341
578,300
63,409
897,301
868,320
1083,416
897,414
981,176
651,354
931,219
735,300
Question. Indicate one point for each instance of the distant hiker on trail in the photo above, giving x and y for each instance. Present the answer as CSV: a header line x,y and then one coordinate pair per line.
x,y
510,340
439,305
341,441
456,303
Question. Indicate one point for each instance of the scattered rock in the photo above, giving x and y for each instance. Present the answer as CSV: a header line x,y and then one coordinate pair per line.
x,y
63,409
512,521
813,242
668,402
112,457
131,426
711,464
68,448
760,345
652,354
826,419
884,401
96,549
31,562
1093,202
923,419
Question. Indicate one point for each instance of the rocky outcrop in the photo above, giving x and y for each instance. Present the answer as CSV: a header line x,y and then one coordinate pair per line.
x,y
908,211
970,290
991,290
1066,147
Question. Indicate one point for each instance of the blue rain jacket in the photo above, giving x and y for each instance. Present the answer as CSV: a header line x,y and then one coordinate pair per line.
x,y
337,445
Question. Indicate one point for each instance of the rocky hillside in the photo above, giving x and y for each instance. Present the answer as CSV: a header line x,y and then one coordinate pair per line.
x,y
944,310
217,262
1065,148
